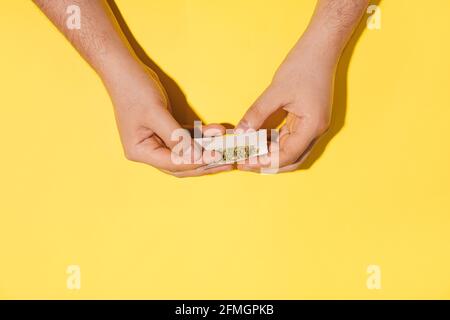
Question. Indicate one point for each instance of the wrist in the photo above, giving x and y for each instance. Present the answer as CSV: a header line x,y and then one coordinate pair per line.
x,y
314,52
325,45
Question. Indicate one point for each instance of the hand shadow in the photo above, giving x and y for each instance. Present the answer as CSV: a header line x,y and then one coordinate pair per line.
x,y
185,114
181,109
340,95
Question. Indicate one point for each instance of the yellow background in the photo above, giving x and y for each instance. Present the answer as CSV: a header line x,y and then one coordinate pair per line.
x,y
379,194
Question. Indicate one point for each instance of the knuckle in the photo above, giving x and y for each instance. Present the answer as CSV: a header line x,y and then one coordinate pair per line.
x,y
176,172
323,125
178,175
257,110
131,154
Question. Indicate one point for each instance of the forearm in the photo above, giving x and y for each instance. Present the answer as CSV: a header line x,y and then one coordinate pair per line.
x,y
99,40
337,20
331,27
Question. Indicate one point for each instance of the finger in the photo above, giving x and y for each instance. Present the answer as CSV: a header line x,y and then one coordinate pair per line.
x,y
167,128
263,107
212,156
153,153
213,130
266,164
293,145
294,166
258,163
201,171
294,140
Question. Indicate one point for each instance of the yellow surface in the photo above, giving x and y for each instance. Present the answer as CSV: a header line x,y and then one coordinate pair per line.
x,y
379,194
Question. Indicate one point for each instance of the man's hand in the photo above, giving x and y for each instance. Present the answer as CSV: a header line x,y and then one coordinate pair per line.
x,y
141,104
146,125
303,85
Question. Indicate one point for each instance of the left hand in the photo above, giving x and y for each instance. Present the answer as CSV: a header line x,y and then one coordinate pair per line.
x,y
302,86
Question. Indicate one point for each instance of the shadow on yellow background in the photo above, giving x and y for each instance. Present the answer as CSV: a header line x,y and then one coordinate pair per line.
x,y
186,115
182,110
340,96
379,195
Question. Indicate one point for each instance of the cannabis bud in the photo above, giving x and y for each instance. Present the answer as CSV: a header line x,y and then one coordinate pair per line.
x,y
236,147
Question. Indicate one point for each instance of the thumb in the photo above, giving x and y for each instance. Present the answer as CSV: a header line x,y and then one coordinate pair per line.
x,y
261,109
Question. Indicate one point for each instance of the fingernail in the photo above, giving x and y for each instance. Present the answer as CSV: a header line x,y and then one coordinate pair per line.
x,y
195,154
217,155
243,125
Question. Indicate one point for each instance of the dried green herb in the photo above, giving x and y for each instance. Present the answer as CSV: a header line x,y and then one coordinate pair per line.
x,y
239,153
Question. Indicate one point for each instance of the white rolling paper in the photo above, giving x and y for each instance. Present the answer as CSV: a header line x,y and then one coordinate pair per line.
x,y
236,147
